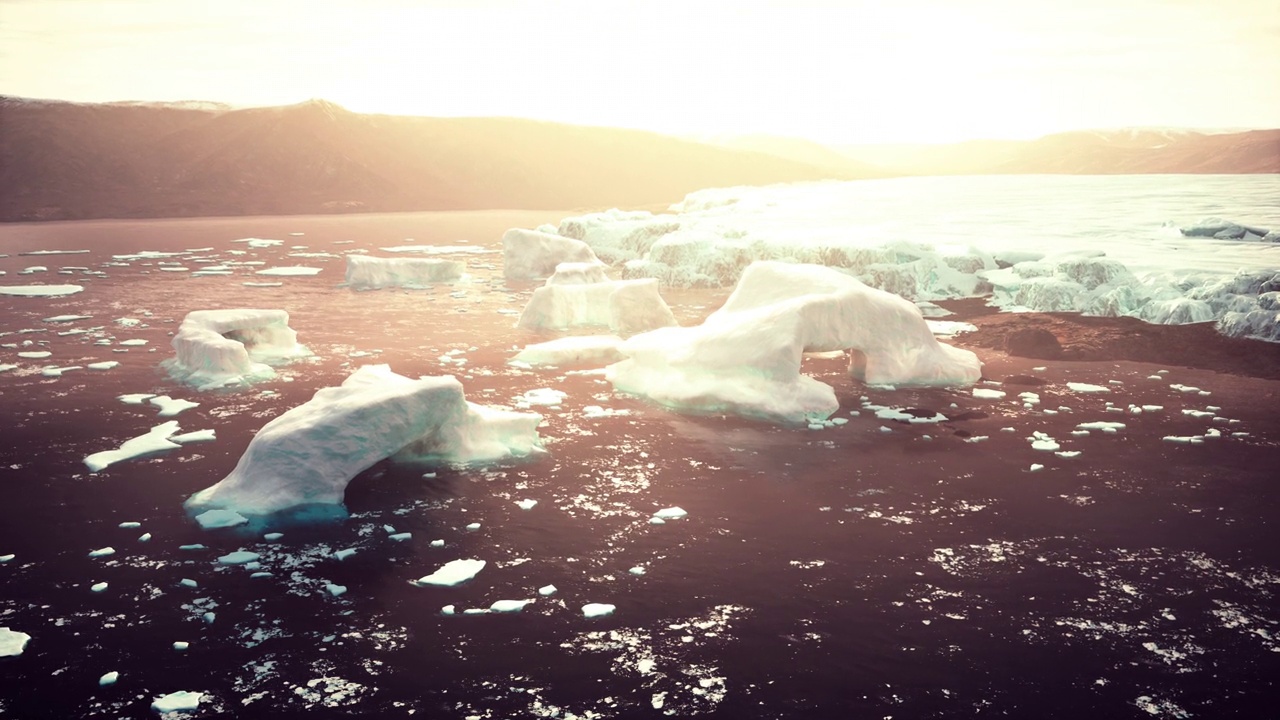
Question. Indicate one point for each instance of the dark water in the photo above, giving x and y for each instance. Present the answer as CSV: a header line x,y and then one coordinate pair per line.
x,y
878,569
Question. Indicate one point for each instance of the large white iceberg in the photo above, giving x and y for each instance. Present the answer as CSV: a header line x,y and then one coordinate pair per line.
x,y
373,273
530,254
745,358
624,306
223,347
309,454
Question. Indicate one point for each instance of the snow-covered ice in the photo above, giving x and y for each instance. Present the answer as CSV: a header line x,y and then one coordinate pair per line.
x,y
215,348
372,273
309,454
745,358
154,441
592,610
452,573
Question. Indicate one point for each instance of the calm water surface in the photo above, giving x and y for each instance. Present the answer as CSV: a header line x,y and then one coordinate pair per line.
x,y
878,569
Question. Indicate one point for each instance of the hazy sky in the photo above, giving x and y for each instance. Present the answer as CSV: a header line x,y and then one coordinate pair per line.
x,y
843,72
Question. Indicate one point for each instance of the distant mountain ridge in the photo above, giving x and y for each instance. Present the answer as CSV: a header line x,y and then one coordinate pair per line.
x,y
64,160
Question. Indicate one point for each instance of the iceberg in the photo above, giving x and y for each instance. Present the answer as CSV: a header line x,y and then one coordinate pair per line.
x,y
530,254
594,350
309,454
374,273
216,348
624,306
745,358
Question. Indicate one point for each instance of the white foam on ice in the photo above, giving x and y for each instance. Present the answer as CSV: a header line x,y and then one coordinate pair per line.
x,y
373,273
215,348
309,454
40,290
746,357
154,441
452,573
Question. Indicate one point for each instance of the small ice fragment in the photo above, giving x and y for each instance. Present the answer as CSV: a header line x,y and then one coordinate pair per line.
x,y
437,543
473,526
1087,388
181,701
344,554
335,590
105,365
10,556
188,582
272,536
592,610
134,398
170,407
211,519
988,394
526,504
400,537
194,436
452,573
102,552
130,524
657,521
181,645
546,590
195,546
1035,467
816,426
135,342
239,557
508,606
109,678
209,618
98,587
447,610
1047,445
1067,453
671,513
144,537
637,570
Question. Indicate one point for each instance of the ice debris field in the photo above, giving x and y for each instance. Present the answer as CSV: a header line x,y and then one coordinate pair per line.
x,y
807,317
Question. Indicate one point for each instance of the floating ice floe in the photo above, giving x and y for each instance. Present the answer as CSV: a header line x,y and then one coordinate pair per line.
x,y
109,678
623,306
438,249
180,701
373,273
529,254
194,437
593,610
105,365
170,407
12,642
215,348
309,454
452,573
66,318
289,271
35,354
154,441
239,557
40,290
671,513
1087,388
988,394
220,518
746,357
508,606
580,350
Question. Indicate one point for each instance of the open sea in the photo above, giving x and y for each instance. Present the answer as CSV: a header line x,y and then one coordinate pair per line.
x,y
878,569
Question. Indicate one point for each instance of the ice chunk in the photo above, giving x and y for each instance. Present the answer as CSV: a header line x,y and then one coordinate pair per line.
x,y
195,436
181,701
541,396
181,645
745,358
1101,425
66,318
988,394
526,504
345,553
106,365
578,273
400,537
170,407
452,573
221,347
40,290
109,678
1087,388
592,610
218,518
508,606
98,587
12,642
529,254
588,349
34,354
624,306
134,398
154,441
546,590
373,273
335,590
671,513
310,453
239,557
290,271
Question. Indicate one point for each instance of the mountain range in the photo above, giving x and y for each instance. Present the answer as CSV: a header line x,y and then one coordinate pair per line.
x,y
67,161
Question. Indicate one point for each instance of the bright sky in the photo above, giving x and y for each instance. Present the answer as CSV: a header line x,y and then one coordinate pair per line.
x,y
856,71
